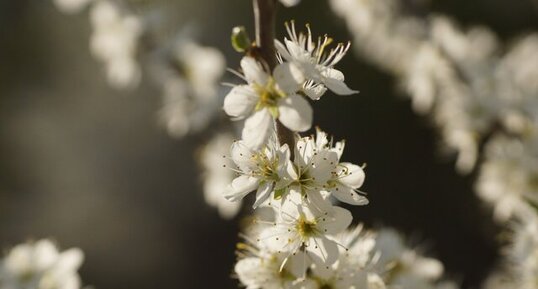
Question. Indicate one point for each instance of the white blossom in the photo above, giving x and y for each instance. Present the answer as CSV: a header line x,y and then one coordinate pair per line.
x,y
314,62
40,265
319,173
263,171
302,228
265,98
354,267
261,268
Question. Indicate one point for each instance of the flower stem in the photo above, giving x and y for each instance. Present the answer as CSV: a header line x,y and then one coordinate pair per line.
x,y
264,16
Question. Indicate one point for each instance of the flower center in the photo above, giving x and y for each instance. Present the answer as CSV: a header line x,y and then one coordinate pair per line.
x,y
305,181
267,168
306,228
269,96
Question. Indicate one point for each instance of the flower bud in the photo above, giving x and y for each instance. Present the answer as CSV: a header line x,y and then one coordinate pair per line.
x,y
240,40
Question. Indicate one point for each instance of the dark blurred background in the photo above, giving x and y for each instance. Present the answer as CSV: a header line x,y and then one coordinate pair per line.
x,y
90,167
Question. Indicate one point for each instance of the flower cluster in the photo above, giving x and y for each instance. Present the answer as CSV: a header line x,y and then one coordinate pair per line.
x,y
299,238
265,267
301,191
298,184
40,265
366,259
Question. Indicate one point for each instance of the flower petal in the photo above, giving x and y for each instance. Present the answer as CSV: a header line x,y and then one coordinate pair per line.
x,y
353,175
333,73
323,166
240,187
45,254
296,51
295,113
349,196
248,271
240,101
288,77
336,222
304,150
298,264
282,50
322,251
69,261
339,148
334,80
317,203
253,71
257,129
242,156
338,86
277,238
314,90
286,170
263,193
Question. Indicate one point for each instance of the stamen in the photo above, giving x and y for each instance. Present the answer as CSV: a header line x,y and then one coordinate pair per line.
x,y
237,73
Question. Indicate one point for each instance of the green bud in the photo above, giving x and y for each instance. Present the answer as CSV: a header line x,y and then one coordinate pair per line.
x,y
240,40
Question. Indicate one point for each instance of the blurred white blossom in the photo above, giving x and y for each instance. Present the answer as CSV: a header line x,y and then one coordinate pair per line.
x,y
217,177
519,270
509,177
114,41
481,94
405,267
289,3
40,265
524,254
71,6
189,75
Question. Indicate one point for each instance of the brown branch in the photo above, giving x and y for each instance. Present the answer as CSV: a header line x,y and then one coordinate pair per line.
x,y
264,16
